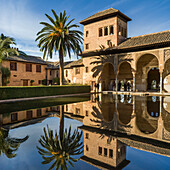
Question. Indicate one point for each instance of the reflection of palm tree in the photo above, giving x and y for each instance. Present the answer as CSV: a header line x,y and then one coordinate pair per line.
x,y
60,147
8,145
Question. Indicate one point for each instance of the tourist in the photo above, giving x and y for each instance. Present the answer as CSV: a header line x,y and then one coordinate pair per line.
x,y
119,86
128,86
97,86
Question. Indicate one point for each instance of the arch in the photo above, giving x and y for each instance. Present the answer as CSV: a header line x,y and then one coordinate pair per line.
x,y
108,76
153,79
145,63
125,75
166,76
145,54
166,113
108,107
125,109
145,123
153,106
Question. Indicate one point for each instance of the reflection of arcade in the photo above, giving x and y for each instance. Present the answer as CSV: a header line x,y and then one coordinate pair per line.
x,y
143,117
124,104
104,151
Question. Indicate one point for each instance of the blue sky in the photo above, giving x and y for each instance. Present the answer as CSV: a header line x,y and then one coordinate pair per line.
x,y
20,18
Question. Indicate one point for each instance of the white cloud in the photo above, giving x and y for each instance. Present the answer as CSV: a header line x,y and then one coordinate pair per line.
x,y
17,20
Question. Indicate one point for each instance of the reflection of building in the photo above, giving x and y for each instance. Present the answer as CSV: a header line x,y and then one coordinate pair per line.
x,y
23,118
103,151
143,117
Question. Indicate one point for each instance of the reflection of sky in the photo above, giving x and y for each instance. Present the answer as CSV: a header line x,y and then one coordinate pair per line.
x,y
28,157
27,154
140,160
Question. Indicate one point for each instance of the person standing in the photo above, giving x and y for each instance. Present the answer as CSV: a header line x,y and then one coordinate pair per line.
x,y
128,86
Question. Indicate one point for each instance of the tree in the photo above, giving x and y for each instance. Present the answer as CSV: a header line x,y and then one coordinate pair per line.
x,y
60,148
6,50
6,73
59,36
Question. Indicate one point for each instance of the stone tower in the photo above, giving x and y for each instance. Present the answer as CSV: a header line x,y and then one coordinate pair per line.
x,y
104,29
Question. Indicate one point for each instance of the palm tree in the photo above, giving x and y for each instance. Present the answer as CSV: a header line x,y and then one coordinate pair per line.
x,y
6,50
60,148
59,36
9,146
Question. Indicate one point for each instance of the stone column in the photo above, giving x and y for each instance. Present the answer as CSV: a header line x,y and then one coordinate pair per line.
x,y
134,83
160,121
161,83
116,84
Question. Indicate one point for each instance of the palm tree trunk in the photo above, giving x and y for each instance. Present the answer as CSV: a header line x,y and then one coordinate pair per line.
x,y
61,123
1,120
61,67
0,73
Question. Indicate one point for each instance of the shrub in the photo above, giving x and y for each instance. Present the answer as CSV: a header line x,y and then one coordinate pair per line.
x,y
31,81
32,91
6,73
56,80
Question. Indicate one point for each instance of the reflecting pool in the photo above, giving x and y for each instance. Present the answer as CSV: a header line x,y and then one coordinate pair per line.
x,y
101,131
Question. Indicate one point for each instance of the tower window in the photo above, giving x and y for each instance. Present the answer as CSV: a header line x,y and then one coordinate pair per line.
x,y
111,30
105,151
87,33
110,153
100,150
87,148
87,69
105,30
100,32
87,113
108,42
87,136
87,46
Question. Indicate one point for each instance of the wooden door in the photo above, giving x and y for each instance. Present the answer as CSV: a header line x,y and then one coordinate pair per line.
x,y
25,82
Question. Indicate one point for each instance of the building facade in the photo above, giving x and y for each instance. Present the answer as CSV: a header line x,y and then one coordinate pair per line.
x,y
143,61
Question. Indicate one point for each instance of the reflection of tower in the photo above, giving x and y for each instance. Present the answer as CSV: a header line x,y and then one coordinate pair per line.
x,y
103,151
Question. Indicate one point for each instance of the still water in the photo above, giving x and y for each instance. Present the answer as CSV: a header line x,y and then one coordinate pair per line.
x,y
87,132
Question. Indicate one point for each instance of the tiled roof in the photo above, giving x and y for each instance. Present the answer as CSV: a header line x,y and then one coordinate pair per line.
x,y
75,63
28,59
148,39
55,65
105,13
142,42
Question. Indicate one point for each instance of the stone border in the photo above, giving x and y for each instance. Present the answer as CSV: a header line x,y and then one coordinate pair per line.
x,y
40,98
138,93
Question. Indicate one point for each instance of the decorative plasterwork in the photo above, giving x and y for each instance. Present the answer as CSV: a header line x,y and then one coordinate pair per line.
x,y
127,57
167,55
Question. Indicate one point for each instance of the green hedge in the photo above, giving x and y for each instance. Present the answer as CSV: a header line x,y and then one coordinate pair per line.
x,y
26,92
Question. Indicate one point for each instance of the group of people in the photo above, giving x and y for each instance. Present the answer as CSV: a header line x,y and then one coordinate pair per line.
x,y
126,85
